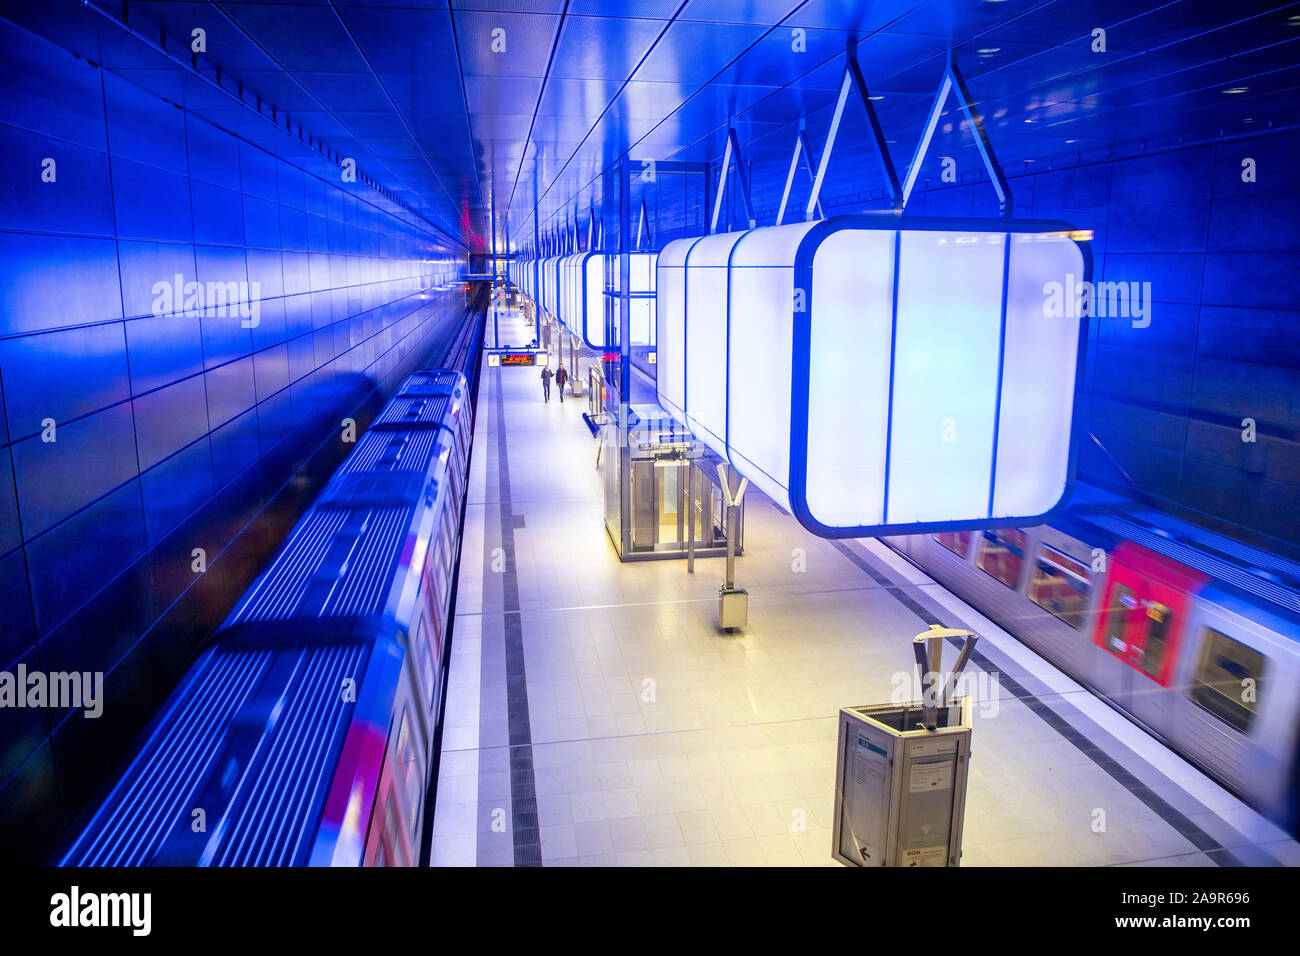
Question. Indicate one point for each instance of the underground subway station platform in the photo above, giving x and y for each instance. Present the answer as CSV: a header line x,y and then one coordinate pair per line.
x,y
641,434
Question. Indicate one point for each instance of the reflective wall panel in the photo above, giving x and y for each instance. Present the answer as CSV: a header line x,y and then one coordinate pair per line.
x,y
185,320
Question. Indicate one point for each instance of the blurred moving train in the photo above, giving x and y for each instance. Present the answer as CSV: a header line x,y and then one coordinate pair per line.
x,y
1191,635
305,734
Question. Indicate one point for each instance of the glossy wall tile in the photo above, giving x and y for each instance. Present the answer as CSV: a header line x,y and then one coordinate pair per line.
x,y
1220,257
184,319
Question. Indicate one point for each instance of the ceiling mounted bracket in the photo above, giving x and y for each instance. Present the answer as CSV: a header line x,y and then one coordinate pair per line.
x,y
732,153
643,228
850,80
804,153
594,237
953,81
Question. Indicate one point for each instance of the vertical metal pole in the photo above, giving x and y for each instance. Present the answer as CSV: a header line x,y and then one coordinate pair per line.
x,y
928,651
690,516
708,182
537,254
624,349
496,329
731,530
731,547
625,279
681,503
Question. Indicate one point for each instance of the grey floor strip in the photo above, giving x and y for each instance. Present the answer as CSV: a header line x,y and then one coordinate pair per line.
x,y
1167,812
523,791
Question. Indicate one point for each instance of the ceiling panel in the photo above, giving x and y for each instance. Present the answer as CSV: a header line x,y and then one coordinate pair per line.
x,y
504,44
603,48
696,52
455,106
297,36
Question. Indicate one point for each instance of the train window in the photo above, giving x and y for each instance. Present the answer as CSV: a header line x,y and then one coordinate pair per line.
x,y
410,770
448,525
446,548
453,479
391,839
1117,617
1002,554
437,563
1159,626
958,542
424,653
1060,585
1228,680
433,589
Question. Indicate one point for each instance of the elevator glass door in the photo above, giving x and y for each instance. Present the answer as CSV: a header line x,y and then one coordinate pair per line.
x,y
663,496
671,533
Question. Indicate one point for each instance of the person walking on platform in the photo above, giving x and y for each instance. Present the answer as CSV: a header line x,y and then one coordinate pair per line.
x,y
561,376
546,383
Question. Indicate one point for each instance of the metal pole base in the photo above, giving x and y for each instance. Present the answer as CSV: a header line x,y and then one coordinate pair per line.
x,y
733,607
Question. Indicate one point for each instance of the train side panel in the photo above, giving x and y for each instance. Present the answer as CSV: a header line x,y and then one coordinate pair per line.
x,y
1237,712
1158,640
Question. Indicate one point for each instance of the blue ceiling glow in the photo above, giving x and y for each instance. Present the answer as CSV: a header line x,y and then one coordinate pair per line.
x,y
464,107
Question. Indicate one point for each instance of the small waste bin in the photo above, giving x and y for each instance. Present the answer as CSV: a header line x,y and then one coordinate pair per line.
x,y
901,771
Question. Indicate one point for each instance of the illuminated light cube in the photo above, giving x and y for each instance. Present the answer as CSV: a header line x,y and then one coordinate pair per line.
x,y
880,380
573,290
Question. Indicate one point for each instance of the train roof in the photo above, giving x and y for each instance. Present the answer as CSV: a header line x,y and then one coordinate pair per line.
x,y
338,561
1232,564
251,737
253,733
1278,620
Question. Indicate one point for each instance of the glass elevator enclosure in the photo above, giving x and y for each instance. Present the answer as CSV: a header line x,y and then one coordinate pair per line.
x,y
676,505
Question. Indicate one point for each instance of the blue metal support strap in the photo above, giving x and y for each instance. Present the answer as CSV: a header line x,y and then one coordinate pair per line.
x,y
952,80
851,79
593,229
804,153
643,228
742,181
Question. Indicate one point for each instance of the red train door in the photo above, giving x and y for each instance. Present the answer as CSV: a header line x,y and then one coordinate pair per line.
x,y
1144,616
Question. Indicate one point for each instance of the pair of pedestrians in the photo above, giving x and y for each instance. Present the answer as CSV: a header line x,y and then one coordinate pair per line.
x,y
561,377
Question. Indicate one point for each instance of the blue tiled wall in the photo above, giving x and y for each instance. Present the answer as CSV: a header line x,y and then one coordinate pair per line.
x,y
1223,259
174,431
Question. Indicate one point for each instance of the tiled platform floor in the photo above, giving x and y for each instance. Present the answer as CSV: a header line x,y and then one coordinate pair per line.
x,y
655,739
